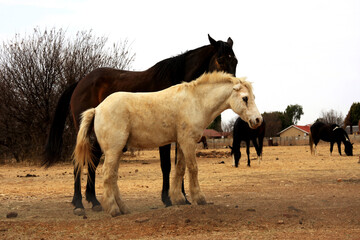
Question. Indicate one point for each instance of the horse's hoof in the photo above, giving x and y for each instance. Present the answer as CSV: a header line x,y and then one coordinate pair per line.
x,y
180,201
166,201
97,208
114,211
79,211
115,214
187,202
201,202
124,210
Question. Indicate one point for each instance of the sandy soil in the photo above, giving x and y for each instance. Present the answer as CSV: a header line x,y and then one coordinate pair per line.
x,y
290,195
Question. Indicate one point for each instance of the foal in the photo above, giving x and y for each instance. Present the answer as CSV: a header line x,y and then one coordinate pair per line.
x,y
146,120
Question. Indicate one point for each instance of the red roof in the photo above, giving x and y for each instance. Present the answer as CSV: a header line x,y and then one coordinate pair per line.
x,y
305,128
211,133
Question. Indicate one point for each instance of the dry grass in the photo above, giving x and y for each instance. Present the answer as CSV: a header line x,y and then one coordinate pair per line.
x,y
291,194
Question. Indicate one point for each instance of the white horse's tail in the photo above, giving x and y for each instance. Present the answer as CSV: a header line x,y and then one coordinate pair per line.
x,y
82,153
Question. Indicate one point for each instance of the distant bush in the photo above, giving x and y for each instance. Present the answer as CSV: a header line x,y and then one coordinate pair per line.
x,y
34,71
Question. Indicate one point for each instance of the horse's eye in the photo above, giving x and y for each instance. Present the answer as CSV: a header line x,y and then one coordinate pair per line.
x,y
245,99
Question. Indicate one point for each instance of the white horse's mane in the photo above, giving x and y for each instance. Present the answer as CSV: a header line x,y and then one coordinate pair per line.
x,y
217,77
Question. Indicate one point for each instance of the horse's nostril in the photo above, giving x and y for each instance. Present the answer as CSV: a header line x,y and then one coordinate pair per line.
x,y
257,120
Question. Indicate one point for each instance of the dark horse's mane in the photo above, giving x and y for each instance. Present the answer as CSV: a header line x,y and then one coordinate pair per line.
x,y
174,67
168,67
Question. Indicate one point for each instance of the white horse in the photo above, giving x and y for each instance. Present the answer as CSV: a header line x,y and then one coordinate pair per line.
x,y
147,120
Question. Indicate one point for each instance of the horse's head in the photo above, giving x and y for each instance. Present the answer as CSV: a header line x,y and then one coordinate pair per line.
x,y
242,101
348,148
224,58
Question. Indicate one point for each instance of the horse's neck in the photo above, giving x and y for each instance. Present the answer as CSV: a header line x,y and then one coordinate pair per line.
x,y
345,137
213,99
183,68
197,62
341,134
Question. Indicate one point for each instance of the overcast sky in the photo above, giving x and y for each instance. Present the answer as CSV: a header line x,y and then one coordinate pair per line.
x,y
303,52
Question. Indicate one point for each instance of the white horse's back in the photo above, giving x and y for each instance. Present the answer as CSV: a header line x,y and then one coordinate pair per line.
x,y
148,120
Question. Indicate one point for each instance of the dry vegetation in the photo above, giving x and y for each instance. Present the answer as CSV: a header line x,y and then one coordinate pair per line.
x,y
291,194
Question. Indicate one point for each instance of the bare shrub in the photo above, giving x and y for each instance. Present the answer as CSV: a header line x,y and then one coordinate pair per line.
x,y
34,71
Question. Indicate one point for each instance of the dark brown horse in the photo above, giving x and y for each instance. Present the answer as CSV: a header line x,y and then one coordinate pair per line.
x,y
242,132
332,133
204,142
98,84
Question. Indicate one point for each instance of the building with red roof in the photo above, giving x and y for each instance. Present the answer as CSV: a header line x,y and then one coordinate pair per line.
x,y
295,131
211,133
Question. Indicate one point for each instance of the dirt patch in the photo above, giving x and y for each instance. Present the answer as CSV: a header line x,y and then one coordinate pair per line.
x,y
213,154
291,194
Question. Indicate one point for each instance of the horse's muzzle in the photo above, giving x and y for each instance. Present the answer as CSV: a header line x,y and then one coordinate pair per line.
x,y
255,122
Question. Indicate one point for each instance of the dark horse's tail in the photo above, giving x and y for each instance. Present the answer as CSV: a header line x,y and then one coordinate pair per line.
x,y
311,143
54,142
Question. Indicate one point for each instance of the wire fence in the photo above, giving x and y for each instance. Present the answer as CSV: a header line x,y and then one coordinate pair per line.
x,y
275,141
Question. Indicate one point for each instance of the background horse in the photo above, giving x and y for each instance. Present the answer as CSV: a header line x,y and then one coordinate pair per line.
x,y
242,132
329,133
146,120
204,142
100,83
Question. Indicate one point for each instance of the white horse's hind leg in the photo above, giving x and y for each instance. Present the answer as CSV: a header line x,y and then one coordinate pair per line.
x,y
176,196
190,159
112,202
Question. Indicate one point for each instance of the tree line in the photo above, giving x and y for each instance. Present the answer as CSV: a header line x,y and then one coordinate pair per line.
x,y
34,71
277,121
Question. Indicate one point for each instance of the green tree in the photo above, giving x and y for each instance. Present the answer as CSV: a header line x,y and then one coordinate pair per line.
x,y
291,115
273,123
216,124
353,116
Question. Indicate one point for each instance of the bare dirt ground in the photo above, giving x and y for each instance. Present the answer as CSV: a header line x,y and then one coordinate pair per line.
x,y
290,195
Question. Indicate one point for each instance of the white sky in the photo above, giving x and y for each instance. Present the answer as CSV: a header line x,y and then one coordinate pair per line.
x,y
304,52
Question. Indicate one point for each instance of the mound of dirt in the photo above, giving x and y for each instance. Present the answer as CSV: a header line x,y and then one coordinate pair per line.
x,y
213,154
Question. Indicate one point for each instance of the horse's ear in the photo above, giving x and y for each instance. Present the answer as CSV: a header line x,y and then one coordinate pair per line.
x,y
237,87
212,41
230,42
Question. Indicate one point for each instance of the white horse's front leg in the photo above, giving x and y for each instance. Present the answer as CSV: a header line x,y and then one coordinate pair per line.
x,y
112,202
190,159
176,196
